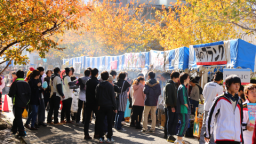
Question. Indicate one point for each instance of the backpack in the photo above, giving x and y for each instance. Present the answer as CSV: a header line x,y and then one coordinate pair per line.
x,y
200,89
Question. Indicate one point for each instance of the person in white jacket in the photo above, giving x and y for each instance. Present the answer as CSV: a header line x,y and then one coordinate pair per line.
x,y
250,94
210,92
2,85
225,117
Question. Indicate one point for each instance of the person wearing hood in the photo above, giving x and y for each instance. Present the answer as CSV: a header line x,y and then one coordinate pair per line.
x,y
152,90
106,102
170,97
68,92
56,95
121,99
138,101
82,94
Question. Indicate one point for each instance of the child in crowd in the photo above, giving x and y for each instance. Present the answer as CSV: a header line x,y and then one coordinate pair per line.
x,y
250,94
226,115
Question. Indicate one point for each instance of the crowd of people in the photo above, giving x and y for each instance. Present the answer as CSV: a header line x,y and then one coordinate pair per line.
x,y
225,107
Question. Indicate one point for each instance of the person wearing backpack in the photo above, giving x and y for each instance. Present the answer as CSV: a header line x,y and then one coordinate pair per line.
x,y
82,94
20,93
194,95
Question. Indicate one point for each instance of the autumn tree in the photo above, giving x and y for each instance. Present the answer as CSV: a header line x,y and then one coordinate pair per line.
x,y
184,26
27,25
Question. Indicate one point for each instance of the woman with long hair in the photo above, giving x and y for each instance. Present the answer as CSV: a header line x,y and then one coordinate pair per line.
x,y
121,99
36,89
138,101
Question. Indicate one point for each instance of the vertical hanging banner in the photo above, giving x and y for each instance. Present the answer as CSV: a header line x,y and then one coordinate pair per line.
x,y
77,67
113,65
210,54
157,60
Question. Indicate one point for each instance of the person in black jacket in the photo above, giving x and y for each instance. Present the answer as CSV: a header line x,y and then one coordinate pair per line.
x,y
91,104
36,90
105,97
20,93
170,96
41,107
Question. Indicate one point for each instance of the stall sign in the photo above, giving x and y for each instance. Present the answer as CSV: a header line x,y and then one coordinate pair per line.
x,y
244,74
210,54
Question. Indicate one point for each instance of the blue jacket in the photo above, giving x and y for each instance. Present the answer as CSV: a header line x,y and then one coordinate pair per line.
x,y
152,90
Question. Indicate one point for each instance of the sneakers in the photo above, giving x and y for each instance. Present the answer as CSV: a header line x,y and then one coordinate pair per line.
x,y
101,140
110,140
22,134
87,137
151,131
122,130
179,142
144,131
171,139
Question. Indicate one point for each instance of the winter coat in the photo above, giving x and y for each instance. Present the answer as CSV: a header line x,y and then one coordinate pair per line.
x,y
138,95
152,90
105,95
35,91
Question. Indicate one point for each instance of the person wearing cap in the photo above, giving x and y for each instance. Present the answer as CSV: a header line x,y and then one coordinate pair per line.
x,y
194,95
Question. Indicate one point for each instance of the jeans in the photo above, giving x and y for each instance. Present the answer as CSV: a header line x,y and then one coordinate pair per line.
x,y
137,115
66,109
171,121
78,115
105,112
88,110
41,112
194,106
119,119
153,117
54,106
17,122
32,115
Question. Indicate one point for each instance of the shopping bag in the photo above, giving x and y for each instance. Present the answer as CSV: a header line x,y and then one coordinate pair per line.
x,y
163,120
25,114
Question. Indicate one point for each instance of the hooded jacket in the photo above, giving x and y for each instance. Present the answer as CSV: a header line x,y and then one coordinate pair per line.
x,y
152,90
20,92
170,94
138,95
105,95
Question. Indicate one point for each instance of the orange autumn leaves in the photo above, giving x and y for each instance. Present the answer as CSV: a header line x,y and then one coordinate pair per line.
x,y
28,24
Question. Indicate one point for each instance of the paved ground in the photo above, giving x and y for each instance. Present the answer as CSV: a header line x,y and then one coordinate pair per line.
x,y
71,134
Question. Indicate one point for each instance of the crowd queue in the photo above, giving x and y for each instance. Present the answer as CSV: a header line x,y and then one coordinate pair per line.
x,y
225,121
